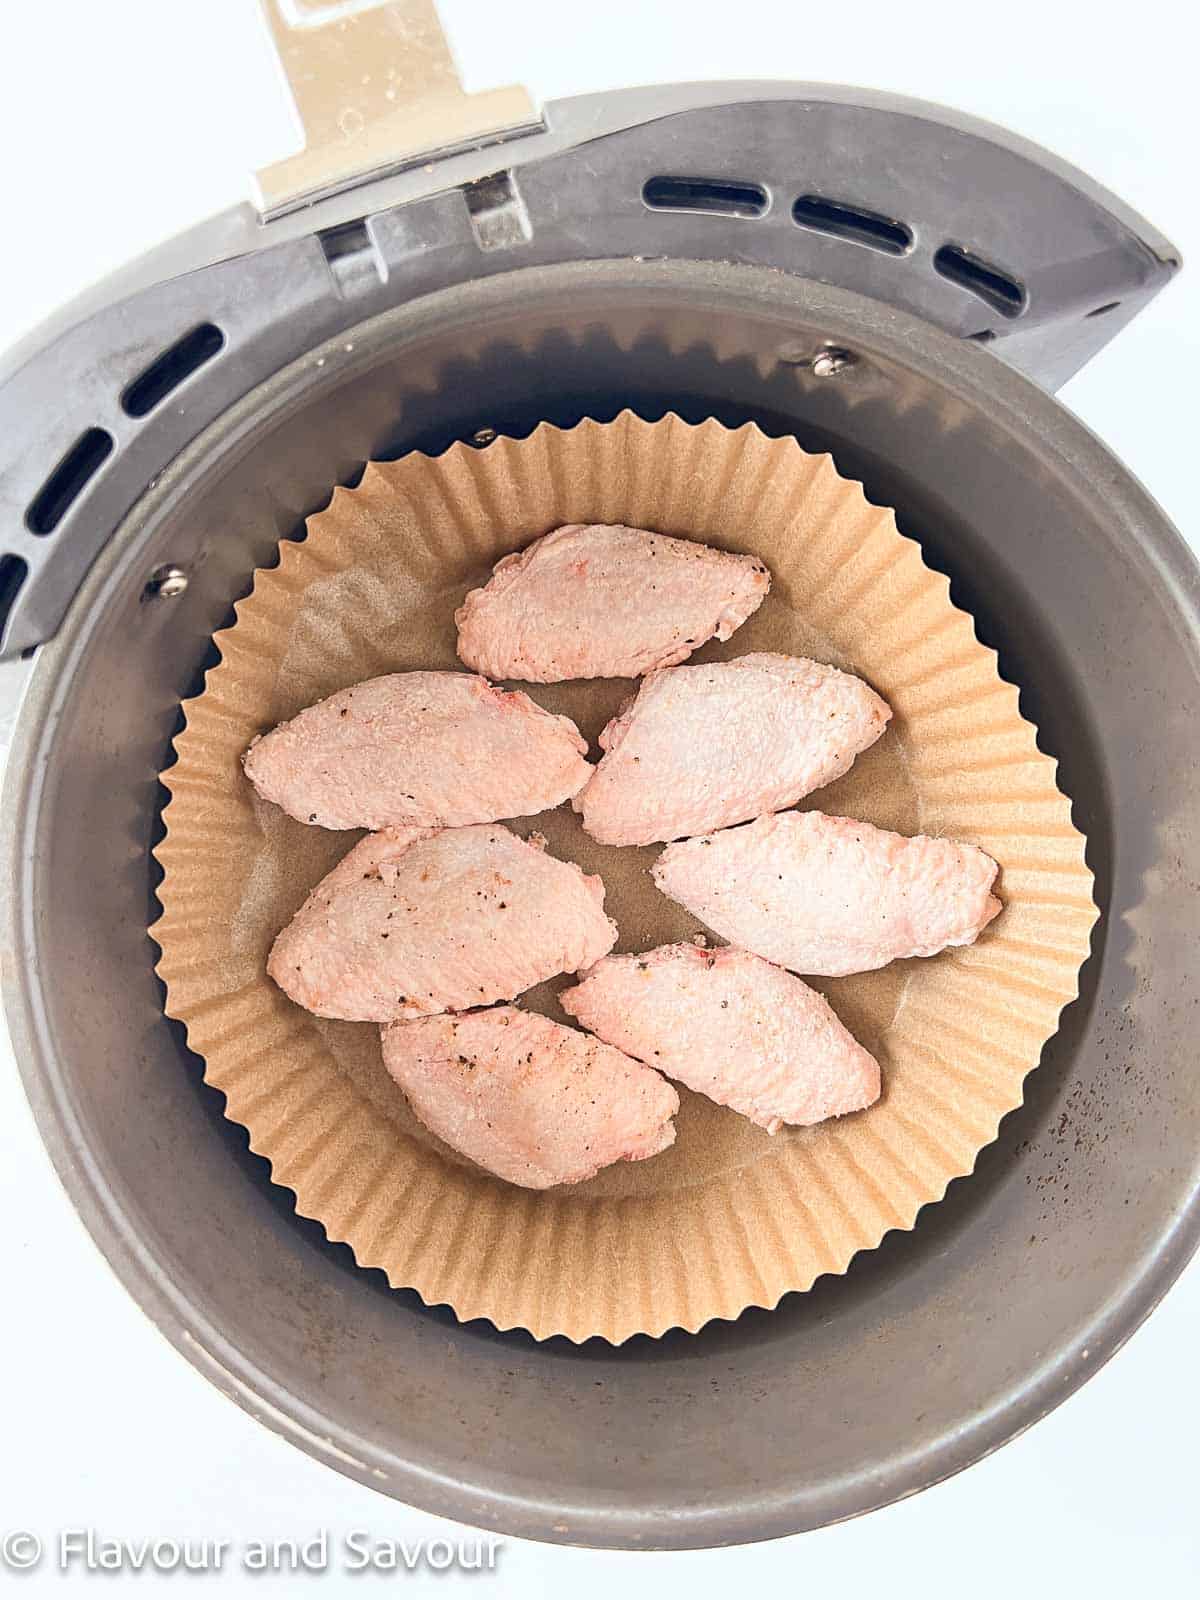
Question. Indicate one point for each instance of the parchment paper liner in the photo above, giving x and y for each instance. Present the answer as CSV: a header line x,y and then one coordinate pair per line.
x,y
729,1217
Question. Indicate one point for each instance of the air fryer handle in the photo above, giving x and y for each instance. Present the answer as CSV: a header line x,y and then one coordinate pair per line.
x,y
375,87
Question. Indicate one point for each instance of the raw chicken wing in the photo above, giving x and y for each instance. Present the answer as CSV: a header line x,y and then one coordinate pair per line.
x,y
528,1099
731,1026
412,923
419,750
591,601
828,895
701,747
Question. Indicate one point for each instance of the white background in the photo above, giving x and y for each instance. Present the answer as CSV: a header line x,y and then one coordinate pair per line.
x,y
122,121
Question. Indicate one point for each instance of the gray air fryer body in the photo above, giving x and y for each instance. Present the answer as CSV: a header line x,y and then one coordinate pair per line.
x,y
884,281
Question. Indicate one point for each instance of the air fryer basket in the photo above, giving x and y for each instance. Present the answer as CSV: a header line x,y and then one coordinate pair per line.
x,y
932,1349
837,265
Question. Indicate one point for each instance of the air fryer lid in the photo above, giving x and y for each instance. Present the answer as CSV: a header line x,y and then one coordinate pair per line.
x,y
931,1350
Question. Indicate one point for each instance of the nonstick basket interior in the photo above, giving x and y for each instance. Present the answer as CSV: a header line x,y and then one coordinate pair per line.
x,y
929,1351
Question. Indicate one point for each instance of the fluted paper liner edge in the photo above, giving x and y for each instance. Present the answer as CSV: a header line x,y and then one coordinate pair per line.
x,y
729,1218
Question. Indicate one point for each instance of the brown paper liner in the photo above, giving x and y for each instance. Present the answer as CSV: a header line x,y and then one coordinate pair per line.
x,y
729,1217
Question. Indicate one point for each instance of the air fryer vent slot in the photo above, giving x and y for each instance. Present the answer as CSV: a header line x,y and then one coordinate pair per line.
x,y
994,286
13,571
844,221
168,371
74,471
706,194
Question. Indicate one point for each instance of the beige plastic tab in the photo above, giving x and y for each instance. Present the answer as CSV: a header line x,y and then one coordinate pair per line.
x,y
376,87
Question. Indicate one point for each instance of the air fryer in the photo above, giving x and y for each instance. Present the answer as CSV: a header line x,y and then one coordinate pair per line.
x,y
882,279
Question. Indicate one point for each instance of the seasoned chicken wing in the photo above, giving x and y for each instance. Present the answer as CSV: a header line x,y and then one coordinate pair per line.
x,y
530,1100
731,1026
828,895
590,601
419,750
412,923
701,747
